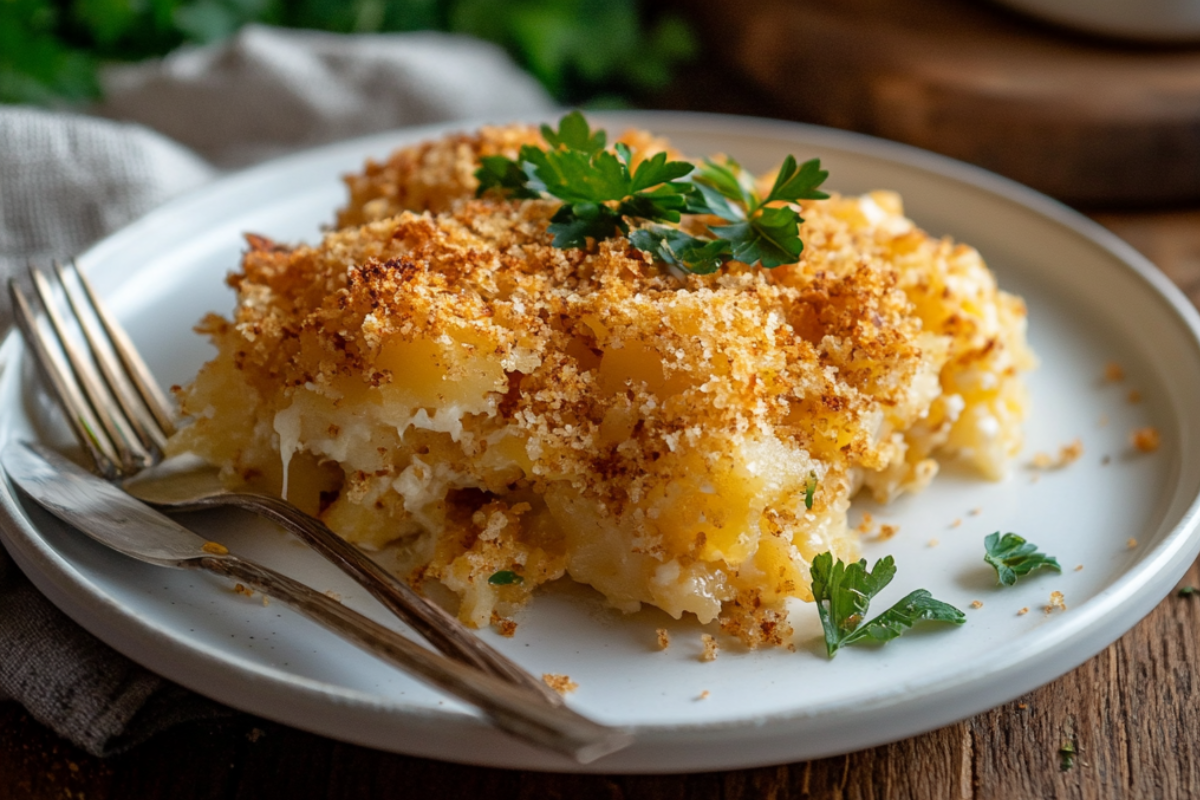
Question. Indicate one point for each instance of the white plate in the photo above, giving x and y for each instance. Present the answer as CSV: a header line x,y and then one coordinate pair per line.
x,y
1091,300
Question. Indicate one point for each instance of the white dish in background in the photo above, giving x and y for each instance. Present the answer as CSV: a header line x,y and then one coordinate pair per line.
x,y
1144,20
1091,300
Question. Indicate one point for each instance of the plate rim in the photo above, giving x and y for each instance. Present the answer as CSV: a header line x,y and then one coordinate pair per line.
x,y
1133,590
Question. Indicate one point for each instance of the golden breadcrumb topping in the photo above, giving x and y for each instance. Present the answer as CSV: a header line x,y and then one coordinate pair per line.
x,y
442,385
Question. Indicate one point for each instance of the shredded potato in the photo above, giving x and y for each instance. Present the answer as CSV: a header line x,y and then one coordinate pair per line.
x,y
440,384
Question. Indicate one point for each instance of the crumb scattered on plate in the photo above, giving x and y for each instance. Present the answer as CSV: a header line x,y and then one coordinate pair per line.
x,y
976,604
243,590
560,683
1131,543
1079,568
934,542
1057,601
956,523
888,531
1067,454
703,695
1023,611
1135,396
1146,439
1113,372
710,647
503,626
664,638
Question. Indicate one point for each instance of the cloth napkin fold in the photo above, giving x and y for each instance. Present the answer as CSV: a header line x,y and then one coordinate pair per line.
x,y
165,127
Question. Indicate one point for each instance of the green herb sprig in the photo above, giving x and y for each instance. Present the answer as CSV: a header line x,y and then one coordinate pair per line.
x,y
1013,557
505,577
810,489
843,593
604,197
757,233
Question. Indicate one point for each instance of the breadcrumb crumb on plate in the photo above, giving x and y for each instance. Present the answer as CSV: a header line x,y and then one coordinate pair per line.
x,y
1089,299
560,683
1067,454
1146,439
1057,602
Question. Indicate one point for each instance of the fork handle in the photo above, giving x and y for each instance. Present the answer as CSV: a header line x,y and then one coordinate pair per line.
x,y
511,708
427,618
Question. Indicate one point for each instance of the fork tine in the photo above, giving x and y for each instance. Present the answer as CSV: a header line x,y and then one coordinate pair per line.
x,y
139,374
140,419
83,422
131,456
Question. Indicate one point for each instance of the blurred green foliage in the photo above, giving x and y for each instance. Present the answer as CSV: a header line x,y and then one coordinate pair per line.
x,y
584,51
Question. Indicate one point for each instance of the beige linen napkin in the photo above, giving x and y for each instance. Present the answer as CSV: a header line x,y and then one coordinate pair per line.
x,y
165,127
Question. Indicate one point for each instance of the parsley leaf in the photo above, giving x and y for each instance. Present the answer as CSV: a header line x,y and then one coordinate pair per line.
x,y
798,182
843,594
573,224
505,577
603,197
1013,557
673,246
913,608
654,170
574,134
770,238
498,172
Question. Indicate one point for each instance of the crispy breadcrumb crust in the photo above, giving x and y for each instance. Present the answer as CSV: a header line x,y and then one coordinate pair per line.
x,y
436,379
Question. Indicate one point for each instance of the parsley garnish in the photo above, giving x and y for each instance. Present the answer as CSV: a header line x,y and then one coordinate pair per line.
x,y
757,232
844,592
1066,754
1013,557
505,577
810,488
602,196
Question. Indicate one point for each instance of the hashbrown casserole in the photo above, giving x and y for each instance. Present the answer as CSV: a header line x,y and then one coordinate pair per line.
x,y
445,388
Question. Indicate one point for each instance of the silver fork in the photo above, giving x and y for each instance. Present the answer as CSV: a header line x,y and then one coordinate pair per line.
x,y
121,420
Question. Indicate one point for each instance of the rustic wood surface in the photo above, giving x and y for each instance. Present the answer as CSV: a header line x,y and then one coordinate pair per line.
x,y
1083,119
1131,713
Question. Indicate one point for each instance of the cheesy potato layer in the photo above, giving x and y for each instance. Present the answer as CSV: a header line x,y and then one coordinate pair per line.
x,y
441,385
